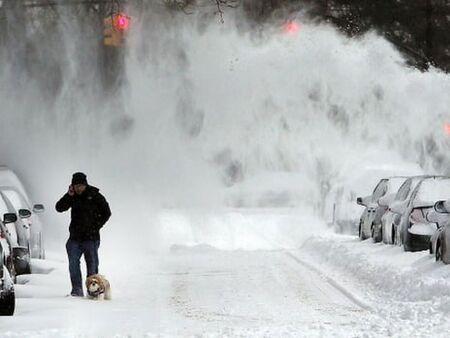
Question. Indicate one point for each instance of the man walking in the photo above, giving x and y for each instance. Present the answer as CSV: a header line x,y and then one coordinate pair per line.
x,y
90,211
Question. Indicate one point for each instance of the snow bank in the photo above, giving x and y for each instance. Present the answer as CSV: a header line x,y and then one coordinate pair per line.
x,y
410,291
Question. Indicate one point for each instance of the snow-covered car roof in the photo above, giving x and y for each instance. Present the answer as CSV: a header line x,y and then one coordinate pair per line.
x,y
9,179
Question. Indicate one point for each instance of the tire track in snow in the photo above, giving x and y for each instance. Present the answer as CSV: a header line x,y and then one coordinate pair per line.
x,y
331,281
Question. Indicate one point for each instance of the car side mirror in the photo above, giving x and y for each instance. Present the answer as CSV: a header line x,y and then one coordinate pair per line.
x,y
440,207
386,200
359,201
38,208
9,218
397,207
24,213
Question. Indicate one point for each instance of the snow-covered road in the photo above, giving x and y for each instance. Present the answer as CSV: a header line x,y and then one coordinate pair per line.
x,y
192,291
265,292
327,285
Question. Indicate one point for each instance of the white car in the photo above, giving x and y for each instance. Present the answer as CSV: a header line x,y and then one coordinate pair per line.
x,y
341,211
18,237
13,190
376,205
415,230
30,218
390,220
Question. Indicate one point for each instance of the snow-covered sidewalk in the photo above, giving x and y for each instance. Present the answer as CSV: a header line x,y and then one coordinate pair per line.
x,y
410,291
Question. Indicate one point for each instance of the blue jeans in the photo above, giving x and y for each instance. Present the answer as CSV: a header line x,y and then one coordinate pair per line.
x,y
90,251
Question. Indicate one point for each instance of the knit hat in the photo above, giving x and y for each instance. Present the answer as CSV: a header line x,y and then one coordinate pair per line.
x,y
79,178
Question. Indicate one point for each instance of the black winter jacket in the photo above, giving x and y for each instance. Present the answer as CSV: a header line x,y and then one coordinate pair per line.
x,y
90,211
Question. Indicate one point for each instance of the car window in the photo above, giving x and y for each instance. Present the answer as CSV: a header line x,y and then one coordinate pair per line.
x,y
16,199
379,190
403,191
394,184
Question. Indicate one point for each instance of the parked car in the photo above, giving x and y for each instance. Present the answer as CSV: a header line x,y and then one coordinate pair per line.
x,y
440,240
7,294
376,205
30,218
415,229
390,220
359,179
18,238
13,189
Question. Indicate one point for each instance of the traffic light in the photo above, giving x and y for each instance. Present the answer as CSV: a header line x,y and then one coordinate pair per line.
x,y
121,22
115,27
291,27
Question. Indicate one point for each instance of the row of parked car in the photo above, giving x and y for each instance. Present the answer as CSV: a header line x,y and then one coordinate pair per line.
x,y
20,236
410,211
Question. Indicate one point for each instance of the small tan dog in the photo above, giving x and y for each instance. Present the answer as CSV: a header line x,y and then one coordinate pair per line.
x,y
98,285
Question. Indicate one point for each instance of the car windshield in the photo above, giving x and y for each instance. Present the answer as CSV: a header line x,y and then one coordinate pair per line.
x,y
403,191
395,183
433,190
380,190
15,198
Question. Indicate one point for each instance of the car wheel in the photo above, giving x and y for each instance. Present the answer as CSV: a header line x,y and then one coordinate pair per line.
x,y
22,261
7,304
377,236
438,254
24,269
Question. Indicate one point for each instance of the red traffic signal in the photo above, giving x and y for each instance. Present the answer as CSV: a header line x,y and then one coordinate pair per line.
x,y
291,27
121,21
447,128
